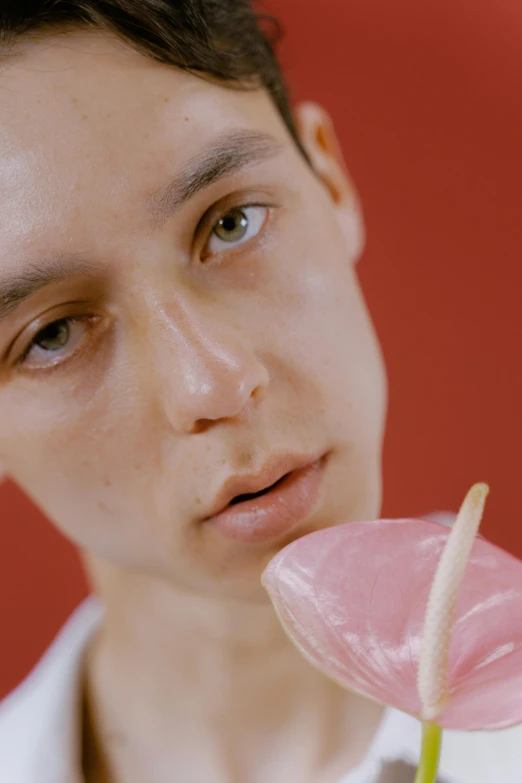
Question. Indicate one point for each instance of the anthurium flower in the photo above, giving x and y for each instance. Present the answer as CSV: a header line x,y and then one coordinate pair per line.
x,y
411,614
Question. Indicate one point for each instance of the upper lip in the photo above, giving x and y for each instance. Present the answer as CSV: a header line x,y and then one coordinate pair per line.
x,y
273,470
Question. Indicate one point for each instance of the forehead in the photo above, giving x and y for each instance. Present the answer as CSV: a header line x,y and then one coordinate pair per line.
x,y
86,123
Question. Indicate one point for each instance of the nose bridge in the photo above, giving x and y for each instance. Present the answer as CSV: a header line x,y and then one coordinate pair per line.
x,y
207,368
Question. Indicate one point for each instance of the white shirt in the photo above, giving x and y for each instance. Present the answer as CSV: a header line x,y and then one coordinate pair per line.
x,y
40,728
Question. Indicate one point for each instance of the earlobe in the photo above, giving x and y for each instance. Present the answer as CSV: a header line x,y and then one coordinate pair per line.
x,y
318,137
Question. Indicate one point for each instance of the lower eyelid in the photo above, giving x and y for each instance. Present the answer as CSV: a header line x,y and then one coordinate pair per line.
x,y
23,364
269,209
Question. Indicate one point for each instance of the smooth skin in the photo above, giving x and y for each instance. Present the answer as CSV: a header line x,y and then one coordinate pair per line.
x,y
193,351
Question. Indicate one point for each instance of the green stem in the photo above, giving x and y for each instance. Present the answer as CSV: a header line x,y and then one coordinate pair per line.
x,y
430,753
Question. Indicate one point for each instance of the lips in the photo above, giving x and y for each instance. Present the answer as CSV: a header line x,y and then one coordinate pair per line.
x,y
272,472
251,495
264,506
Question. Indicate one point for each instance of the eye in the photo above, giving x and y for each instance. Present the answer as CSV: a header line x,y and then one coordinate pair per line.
x,y
49,343
236,227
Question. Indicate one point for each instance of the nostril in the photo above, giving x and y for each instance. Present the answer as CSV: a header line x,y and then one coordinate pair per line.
x,y
201,425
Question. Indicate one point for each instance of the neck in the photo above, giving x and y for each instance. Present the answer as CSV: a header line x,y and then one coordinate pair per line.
x,y
170,673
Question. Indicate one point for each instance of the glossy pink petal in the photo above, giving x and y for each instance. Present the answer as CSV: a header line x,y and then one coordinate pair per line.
x,y
353,598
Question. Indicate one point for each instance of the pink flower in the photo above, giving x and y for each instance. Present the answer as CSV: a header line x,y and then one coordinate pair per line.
x,y
379,609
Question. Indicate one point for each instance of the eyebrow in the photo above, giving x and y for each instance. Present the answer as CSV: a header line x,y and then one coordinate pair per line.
x,y
230,153
16,289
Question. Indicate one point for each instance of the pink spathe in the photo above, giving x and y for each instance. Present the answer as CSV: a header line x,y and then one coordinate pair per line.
x,y
353,598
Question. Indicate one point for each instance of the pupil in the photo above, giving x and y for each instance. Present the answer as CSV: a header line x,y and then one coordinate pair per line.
x,y
58,331
229,224
233,226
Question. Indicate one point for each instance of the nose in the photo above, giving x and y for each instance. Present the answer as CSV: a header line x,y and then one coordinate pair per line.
x,y
207,369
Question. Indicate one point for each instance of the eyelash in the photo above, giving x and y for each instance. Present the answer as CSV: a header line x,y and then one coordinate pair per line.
x,y
71,320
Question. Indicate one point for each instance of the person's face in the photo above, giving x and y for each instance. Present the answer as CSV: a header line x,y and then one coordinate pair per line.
x,y
182,350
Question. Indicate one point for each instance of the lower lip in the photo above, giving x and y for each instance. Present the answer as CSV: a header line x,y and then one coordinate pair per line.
x,y
270,516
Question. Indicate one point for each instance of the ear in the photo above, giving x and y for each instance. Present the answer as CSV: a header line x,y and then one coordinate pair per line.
x,y
3,474
318,137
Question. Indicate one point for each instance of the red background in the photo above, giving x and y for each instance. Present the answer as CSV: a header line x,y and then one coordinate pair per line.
x,y
427,101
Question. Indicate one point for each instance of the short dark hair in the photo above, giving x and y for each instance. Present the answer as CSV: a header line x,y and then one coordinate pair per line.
x,y
226,39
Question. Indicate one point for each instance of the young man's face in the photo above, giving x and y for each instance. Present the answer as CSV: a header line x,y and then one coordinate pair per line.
x,y
198,334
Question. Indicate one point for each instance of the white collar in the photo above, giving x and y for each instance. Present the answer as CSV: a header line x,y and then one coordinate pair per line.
x,y
40,732
40,719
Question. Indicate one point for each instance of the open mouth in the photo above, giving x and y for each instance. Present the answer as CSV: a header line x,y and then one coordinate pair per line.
x,y
252,495
268,514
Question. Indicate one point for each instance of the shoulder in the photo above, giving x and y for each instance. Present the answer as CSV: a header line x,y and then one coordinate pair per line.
x,y
37,719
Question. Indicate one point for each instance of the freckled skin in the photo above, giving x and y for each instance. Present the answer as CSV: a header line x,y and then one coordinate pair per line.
x,y
201,369
203,360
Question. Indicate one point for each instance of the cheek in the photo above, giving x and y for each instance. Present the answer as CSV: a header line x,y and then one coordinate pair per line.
x,y
316,318
70,463
310,306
